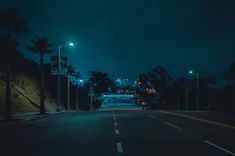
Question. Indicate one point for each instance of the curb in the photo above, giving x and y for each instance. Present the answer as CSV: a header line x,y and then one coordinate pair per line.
x,y
24,120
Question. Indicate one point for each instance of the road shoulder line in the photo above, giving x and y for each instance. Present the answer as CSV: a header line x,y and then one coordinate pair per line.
x,y
218,147
200,119
172,125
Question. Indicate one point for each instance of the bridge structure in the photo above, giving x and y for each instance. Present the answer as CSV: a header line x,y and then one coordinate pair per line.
x,y
119,102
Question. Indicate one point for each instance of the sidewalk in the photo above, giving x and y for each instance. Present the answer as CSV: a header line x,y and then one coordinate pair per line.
x,y
26,117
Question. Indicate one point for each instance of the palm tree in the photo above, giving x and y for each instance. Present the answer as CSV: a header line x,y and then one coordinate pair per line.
x,y
76,76
230,75
71,72
42,46
10,24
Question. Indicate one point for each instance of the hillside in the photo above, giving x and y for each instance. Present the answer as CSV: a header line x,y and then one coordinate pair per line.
x,y
25,95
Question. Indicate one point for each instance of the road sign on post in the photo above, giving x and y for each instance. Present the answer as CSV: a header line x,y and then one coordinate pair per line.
x,y
63,65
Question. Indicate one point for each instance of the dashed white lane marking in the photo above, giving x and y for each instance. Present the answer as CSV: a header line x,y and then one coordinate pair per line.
x,y
119,147
114,118
117,131
172,125
218,147
151,116
115,124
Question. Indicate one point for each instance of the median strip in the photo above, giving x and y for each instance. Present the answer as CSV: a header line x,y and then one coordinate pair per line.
x,y
218,147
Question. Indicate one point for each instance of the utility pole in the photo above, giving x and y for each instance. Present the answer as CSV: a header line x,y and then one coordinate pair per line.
x,y
186,98
91,94
68,93
77,97
58,90
197,91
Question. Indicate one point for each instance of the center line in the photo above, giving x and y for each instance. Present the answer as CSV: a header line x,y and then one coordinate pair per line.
x,y
151,116
227,151
115,123
116,131
119,147
172,125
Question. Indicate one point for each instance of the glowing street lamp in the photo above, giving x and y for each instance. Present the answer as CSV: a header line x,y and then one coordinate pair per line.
x,y
191,73
71,44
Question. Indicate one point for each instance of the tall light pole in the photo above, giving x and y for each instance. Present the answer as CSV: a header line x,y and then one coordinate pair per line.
x,y
58,109
77,85
191,72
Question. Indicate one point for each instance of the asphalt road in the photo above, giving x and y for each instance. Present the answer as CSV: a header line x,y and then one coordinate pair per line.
x,y
114,133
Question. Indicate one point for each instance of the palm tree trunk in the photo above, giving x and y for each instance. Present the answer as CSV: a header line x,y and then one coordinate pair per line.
x,y
42,105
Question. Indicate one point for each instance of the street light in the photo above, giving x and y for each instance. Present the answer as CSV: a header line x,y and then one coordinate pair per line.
x,y
58,109
191,72
77,82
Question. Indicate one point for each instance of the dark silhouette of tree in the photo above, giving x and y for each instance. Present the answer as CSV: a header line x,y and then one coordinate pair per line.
x,y
76,77
41,45
211,80
229,76
101,82
10,24
71,70
159,79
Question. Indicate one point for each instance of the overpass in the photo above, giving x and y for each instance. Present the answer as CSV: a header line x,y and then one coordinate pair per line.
x,y
118,102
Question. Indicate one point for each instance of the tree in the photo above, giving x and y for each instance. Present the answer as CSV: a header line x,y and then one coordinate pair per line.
x,y
71,72
10,24
229,76
101,82
76,76
210,80
41,45
159,80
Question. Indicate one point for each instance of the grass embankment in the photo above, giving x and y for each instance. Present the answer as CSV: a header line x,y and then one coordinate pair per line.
x,y
25,95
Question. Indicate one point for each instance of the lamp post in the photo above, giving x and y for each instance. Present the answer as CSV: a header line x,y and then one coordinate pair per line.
x,y
77,85
191,72
58,109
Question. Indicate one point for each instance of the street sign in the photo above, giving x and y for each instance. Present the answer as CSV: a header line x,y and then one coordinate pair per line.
x,y
63,65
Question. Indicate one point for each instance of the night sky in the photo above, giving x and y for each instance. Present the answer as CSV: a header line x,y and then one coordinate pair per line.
x,y
128,37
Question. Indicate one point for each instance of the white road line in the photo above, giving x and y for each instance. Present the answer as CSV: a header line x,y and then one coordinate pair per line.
x,y
227,151
172,125
114,114
119,147
151,116
114,118
115,123
117,131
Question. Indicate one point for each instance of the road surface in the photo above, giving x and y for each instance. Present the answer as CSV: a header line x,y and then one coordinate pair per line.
x,y
116,133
